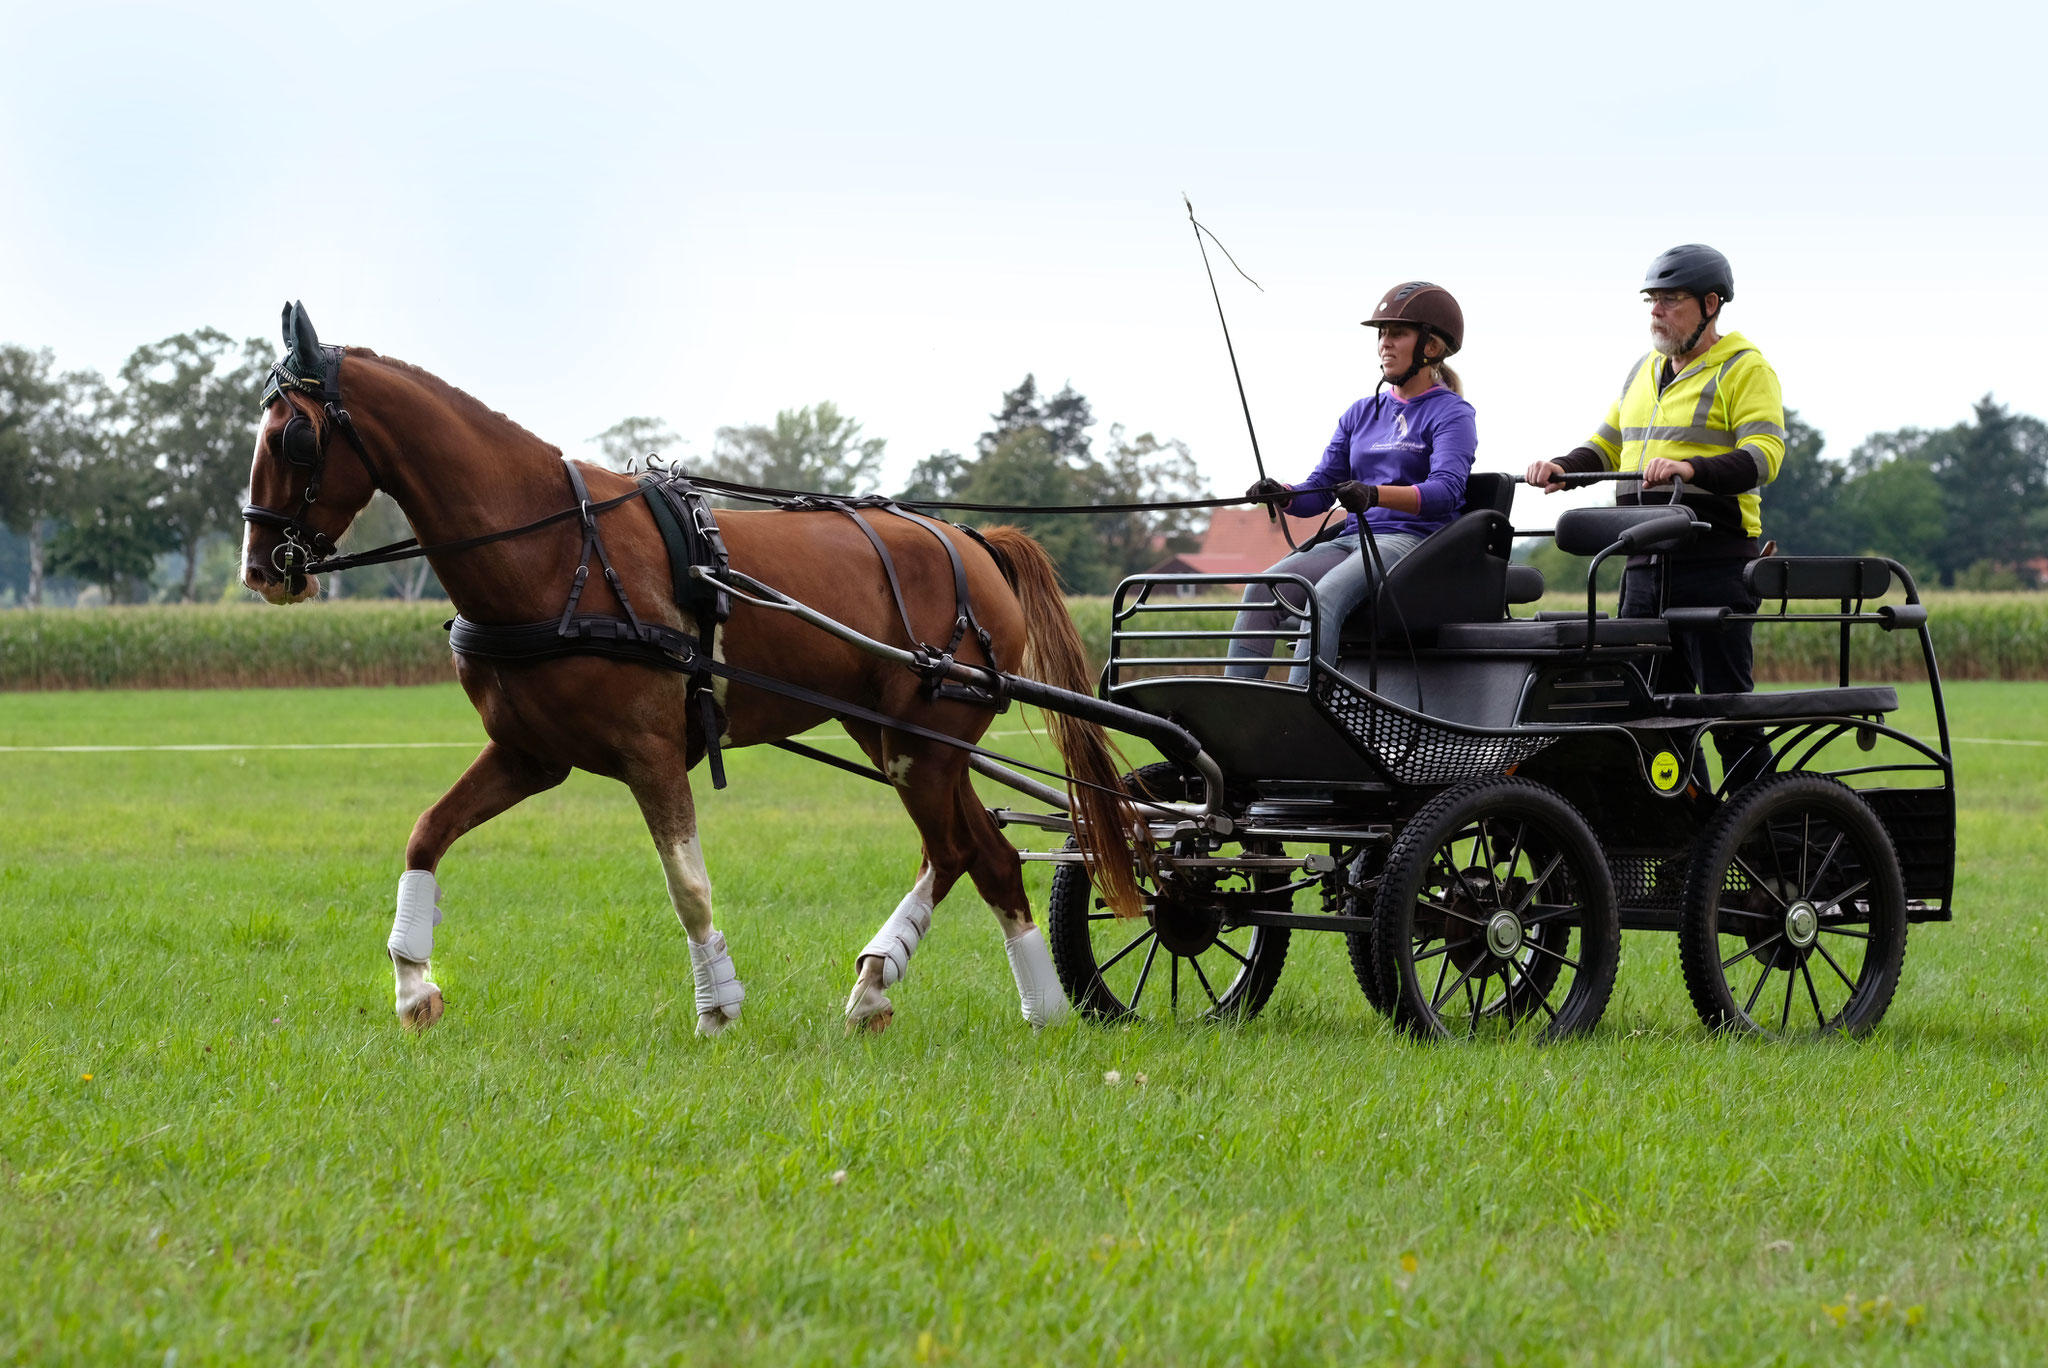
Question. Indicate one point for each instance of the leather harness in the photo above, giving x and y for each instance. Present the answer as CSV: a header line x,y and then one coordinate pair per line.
x,y
689,532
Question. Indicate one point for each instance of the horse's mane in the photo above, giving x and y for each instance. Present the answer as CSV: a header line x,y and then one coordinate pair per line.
x,y
459,398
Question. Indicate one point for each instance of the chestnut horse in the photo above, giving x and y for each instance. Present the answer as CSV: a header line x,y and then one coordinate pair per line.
x,y
458,470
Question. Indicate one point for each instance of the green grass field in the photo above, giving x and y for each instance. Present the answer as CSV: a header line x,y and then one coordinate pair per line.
x,y
215,1140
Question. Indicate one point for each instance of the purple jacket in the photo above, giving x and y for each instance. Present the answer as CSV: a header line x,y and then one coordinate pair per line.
x,y
1428,442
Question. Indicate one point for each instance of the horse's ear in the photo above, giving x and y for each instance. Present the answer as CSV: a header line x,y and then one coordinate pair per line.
x,y
299,335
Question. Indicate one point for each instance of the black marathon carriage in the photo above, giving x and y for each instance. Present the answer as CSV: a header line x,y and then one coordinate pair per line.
x,y
1481,803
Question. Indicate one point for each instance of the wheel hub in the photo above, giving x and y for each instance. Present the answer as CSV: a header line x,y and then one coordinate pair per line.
x,y
1504,934
1802,924
1186,922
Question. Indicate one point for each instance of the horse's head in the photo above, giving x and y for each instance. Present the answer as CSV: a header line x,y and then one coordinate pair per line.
x,y
300,501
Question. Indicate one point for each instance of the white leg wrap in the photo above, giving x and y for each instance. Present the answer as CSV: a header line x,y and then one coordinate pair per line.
x,y
898,939
719,990
419,912
1038,987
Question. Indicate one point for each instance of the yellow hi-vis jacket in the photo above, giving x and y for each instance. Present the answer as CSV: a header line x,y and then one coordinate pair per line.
x,y
1726,415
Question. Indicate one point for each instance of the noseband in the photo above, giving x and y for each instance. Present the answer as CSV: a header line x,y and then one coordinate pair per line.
x,y
305,448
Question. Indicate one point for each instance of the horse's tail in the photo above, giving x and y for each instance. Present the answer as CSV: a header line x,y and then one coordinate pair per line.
x,y
1103,815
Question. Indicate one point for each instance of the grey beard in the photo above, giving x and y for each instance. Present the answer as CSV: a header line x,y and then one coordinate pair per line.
x,y
1664,346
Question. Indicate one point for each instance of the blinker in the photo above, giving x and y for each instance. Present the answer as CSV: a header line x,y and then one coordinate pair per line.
x,y
301,444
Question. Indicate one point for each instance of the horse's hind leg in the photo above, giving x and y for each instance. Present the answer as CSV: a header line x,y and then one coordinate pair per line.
x,y
671,814
959,838
916,769
999,877
497,779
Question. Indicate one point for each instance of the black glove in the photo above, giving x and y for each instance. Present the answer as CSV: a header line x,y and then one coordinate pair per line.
x,y
1267,491
1357,497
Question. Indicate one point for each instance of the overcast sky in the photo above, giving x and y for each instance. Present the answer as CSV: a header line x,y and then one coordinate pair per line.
x,y
707,213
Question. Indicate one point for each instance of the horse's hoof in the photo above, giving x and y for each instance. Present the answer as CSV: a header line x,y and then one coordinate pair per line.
x,y
710,1024
423,1014
868,1006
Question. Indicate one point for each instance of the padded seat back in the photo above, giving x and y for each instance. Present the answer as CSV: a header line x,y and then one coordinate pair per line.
x,y
1818,577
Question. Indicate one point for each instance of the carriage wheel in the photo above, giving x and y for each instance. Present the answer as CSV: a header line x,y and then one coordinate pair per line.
x,y
1795,912
1496,917
1365,964
1176,961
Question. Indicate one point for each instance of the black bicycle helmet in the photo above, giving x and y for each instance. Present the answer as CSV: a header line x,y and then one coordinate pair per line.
x,y
1695,267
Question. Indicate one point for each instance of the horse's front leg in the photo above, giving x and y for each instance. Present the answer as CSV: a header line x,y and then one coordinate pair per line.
x,y
496,780
671,814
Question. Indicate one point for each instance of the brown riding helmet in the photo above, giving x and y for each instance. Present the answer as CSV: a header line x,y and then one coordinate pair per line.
x,y
1426,306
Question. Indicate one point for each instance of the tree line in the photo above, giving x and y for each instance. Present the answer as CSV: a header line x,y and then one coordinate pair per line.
x,y
1039,451
1963,507
134,483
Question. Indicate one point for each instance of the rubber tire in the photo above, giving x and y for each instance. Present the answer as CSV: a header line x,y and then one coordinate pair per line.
x,y
1440,819
1699,949
1363,945
1073,949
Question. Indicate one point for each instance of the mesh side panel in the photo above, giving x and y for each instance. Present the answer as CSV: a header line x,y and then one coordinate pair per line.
x,y
1654,882
1412,751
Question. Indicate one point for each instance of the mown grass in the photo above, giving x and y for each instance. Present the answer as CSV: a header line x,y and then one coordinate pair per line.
x,y
213,1139
381,642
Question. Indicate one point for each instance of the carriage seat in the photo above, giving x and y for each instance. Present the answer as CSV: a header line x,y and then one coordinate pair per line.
x,y
1790,703
1459,574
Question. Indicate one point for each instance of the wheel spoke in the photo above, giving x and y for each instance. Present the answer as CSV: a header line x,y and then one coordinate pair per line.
x,y
1820,874
1542,999
1463,979
1785,1017
1536,884
1104,916
1757,880
1144,974
1214,1001
1136,941
1457,874
1749,1007
1443,949
1451,912
1546,950
1838,931
1552,911
1173,985
1819,1019
1441,970
1777,855
1841,898
1728,964
1834,966
1805,849
1227,948
1515,852
1472,1009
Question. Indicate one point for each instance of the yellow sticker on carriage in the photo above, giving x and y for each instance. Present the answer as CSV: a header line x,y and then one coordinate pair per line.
x,y
1665,771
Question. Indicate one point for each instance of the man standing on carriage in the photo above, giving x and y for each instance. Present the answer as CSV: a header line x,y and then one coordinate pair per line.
x,y
1705,407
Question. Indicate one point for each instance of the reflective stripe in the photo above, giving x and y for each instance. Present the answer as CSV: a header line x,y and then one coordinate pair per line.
x,y
1609,434
1696,436
1706,406
1761,461
1633,372
1744,431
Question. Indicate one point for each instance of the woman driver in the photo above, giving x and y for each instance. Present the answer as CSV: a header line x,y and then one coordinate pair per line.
x,y
1398,460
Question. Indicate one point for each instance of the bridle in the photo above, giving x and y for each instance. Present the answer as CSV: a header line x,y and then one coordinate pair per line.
x,y
305,448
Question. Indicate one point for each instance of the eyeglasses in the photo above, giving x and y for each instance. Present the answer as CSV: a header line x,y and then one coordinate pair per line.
x,y
1666,297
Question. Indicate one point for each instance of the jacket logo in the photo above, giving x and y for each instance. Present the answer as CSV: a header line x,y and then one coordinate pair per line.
x,y
1400,426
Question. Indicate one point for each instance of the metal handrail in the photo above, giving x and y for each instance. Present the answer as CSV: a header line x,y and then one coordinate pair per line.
x,y
1127,606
